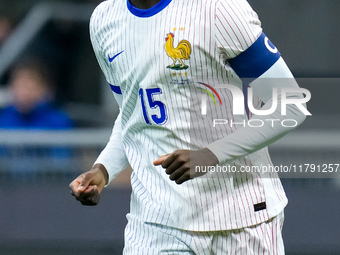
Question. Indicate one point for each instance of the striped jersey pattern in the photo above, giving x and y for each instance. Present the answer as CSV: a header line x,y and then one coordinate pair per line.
x,y
143,59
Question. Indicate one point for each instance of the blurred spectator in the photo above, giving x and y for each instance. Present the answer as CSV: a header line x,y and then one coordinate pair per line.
x,y
32,106
5,28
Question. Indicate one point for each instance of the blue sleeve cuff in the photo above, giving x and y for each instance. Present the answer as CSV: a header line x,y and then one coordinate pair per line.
x,y
116,89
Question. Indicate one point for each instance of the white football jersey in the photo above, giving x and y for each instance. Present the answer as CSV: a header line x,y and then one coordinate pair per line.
x,y
159,62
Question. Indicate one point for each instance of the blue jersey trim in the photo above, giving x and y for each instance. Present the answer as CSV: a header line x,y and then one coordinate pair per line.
x,y
145,13
116,89
255,60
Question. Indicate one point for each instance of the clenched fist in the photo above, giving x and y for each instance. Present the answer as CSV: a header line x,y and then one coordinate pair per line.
x,y
87,187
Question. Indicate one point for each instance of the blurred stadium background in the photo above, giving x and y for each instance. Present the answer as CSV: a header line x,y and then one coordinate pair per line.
x,y
37,214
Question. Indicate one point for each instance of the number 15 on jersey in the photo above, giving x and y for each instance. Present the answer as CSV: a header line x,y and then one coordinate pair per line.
x,y
149,102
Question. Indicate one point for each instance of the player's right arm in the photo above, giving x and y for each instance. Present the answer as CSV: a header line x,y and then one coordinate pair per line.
x,y
87,187
112,160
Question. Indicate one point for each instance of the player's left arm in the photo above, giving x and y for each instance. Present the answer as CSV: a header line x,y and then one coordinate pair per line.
x,y
261,63
263,66
270,71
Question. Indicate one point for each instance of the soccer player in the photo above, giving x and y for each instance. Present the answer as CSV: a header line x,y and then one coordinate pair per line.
x,y
161,58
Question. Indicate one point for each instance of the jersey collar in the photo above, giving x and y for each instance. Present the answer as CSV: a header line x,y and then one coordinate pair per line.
x,y
146,13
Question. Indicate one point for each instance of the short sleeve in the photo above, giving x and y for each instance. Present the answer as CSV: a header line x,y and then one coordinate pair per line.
x,y
237,27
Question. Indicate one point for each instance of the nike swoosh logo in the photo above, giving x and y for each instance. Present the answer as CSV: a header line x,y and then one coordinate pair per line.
x,y
111,59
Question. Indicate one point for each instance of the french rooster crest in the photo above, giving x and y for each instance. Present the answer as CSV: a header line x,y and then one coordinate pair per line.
x,y
182,52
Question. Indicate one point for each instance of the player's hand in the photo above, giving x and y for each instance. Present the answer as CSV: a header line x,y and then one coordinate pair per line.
x,y
180,165
87,187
